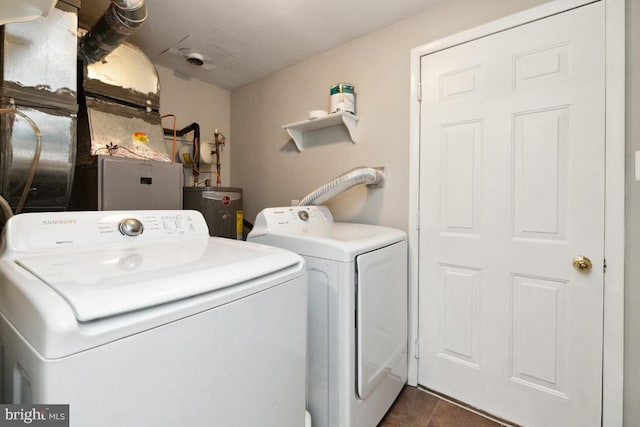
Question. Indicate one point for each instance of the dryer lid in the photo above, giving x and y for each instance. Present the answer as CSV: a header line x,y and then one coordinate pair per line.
x,y
311,231
338,241
113,280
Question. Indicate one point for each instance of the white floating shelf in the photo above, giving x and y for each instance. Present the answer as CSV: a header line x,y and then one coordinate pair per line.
x,y
341,118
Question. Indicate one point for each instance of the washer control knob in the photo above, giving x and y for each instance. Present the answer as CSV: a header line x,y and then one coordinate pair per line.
x,y
303,215
130,227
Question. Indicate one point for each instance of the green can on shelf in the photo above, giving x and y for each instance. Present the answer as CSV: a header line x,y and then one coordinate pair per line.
x,y
343,98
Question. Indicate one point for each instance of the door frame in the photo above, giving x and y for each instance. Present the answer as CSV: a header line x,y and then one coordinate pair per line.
x,y
613,328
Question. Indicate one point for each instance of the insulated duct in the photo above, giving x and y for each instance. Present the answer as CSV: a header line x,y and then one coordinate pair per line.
x,y
34,162
38,61
119,21
361,175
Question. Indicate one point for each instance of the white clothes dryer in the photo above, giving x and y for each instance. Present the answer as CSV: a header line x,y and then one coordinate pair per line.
x,y
357,307
141,319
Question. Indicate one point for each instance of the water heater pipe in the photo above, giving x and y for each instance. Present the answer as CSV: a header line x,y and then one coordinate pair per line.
x,y
195,127
361,175
119,21
219,139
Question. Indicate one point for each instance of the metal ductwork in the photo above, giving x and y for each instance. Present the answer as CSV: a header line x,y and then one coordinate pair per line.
x,y
122,161
38,86
119,21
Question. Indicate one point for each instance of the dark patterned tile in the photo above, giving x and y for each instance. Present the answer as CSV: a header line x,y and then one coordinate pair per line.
x,y
449,415
413,407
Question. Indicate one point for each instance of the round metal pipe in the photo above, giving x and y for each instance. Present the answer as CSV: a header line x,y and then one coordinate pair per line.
x,y
119,21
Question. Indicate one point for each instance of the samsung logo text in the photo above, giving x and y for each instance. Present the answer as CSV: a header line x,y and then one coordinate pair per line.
x,y
59,221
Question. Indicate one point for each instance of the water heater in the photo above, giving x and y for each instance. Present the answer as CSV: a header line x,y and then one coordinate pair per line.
x,y
220,206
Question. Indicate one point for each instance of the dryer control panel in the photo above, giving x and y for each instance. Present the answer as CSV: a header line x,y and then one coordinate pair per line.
x,y
291,218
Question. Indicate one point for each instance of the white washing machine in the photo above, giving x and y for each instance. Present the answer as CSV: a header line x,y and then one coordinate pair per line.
x,y
357,325
141,319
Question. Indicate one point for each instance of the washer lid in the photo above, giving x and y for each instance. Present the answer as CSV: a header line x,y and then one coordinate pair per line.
x,y
117,279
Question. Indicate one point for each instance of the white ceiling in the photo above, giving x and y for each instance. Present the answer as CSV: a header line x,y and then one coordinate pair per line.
x,y
244,40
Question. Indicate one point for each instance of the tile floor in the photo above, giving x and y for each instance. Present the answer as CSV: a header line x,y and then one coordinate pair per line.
x,y
416,407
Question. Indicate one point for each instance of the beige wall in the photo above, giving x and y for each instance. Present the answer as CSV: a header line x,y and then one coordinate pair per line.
x,y
268,167
191,101
272,173
632,273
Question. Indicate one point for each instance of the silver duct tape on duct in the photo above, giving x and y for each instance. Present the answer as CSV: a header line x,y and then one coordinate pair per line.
x,y
121,101
357,176
38,65
136,132
39,61
119,21
122,160
51,185
126,75
120,107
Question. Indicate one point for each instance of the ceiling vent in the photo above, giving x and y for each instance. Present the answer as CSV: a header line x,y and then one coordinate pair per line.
x,y
196,59
197,54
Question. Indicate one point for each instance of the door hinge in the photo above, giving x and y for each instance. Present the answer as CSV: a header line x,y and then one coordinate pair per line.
x,y
418,221
417,350
604,266
419,94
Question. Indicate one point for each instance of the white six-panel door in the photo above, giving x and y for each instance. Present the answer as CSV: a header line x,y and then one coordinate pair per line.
x,y
511,190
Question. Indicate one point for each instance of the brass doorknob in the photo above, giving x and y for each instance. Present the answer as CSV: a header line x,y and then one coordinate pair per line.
x,y
582,263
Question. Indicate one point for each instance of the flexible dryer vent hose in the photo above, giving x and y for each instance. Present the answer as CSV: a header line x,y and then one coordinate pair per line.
x,y
361,175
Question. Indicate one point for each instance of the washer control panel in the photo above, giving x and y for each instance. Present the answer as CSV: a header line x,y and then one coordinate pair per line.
x,y
40,231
